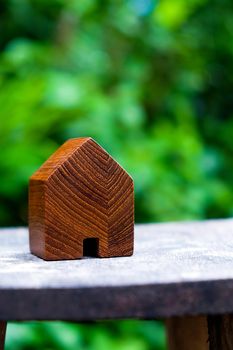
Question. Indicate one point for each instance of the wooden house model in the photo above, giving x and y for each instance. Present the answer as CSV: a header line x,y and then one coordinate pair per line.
x,y
81,203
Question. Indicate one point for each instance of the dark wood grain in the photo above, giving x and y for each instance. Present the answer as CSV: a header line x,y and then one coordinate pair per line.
x,y
188,333
221,332
214,332
2,334
177,269
79,194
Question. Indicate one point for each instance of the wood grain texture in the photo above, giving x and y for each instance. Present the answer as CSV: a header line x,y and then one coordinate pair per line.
x,y
2,334
187,333
221,332
81,193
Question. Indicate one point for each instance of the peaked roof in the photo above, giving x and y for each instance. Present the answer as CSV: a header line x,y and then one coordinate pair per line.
x,y
62,154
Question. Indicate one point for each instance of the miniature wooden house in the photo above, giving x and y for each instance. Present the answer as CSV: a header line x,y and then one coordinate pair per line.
x,y
81,202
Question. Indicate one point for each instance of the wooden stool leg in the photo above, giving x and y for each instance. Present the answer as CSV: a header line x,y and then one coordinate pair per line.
x,y
221,332
2,334
188,333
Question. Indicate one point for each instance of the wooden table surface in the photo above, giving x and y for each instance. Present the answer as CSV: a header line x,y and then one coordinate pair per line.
x,y
177,269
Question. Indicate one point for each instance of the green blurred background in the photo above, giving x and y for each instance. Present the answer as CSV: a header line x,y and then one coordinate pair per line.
x,y
152,82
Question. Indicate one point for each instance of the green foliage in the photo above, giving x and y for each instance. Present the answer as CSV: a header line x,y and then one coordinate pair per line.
x,y
124,335
150,80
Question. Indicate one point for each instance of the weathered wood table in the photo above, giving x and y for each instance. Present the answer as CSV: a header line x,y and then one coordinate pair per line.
x,y
181,272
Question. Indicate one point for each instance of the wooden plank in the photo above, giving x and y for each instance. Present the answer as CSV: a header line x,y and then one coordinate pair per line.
x,y
187,333
2,334
177,269
221,332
